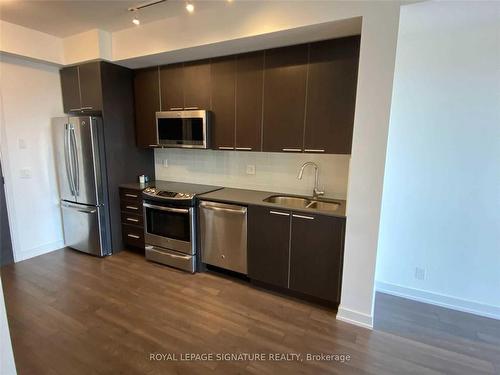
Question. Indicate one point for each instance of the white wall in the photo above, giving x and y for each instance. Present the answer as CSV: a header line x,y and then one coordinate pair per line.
x,y
7,365
441,202
273,171
30,95
89,45
19,40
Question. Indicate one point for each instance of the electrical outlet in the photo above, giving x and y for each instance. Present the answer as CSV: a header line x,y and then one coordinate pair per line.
x,y
419,273
22,144
250,169
165,163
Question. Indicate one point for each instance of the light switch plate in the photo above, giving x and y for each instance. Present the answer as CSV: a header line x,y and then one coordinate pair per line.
x,y
165,163
25,173
22,143
250,169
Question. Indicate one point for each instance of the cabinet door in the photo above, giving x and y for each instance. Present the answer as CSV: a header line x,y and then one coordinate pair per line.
x,y
284,98
268,245
223,72
331,95
70,89
90,86
197,85
249,81
172,87
147,103
316,254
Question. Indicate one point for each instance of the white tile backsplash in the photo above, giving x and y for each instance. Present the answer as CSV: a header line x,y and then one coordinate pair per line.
x,y
273,171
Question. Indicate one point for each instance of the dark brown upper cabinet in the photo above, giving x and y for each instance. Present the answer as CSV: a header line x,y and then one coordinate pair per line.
x,y
81,87
223,85
147,103
249,83
172,87
292,99
70,88
284,98
331,95
197,85
318,274
90,86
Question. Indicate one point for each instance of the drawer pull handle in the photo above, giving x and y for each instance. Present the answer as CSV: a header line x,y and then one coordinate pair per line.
x,y
132,220
131,195
292,150
244,148
226,148
133,236
176,108
190,108
303,217
279,213
132,207
313,150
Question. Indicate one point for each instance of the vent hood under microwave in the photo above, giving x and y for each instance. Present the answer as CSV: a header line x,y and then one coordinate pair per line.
x,y
186,129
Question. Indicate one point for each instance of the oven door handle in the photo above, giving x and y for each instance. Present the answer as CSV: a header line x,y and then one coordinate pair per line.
x,y
169,209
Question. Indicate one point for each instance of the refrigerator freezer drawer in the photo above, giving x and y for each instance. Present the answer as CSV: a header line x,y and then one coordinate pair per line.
x,y
84,229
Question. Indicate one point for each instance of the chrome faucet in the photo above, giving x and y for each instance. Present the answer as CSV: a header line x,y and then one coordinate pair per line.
x,y
316,191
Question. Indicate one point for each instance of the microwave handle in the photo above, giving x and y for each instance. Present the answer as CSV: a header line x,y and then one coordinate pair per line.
x,y
179,210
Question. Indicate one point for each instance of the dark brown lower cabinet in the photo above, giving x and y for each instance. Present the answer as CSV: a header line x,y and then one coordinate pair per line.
x,y
296,251
132,217
316,255
268,249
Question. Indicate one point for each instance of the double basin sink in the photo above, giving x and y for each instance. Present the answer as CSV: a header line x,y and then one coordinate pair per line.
x,y
301,202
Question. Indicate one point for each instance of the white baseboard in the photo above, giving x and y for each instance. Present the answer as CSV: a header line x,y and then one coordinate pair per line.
x,y
437,299
39,250
355,317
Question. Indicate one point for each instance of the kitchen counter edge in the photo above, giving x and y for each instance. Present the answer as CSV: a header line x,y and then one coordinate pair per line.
x,y
256,198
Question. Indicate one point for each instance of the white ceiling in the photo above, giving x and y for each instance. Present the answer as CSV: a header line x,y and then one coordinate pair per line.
x,y
68,17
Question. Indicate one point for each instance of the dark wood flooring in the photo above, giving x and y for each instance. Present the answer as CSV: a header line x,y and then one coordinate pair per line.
x,y
70,313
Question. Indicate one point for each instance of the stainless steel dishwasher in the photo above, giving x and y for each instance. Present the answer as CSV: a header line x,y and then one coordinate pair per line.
x,y
223,232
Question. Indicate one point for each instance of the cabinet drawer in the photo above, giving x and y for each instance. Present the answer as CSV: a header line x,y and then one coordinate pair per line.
x,y
132,207
132,235
130,195
133,219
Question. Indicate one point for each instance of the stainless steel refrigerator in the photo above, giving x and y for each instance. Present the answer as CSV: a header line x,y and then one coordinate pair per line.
x,y
81,172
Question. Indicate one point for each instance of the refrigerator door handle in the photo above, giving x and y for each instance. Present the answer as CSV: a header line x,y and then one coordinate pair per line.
x,y
67,159
76,176
85,210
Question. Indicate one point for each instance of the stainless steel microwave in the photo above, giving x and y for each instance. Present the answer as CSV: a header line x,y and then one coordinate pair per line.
x,y
187,129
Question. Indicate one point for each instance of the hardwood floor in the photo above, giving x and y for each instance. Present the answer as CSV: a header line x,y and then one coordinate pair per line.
x,y
70,313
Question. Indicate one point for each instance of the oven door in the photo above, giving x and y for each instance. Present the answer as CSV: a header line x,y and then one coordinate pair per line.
x,y
187,129
169,227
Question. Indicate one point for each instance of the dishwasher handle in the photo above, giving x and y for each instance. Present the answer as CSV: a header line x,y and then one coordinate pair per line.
x,y
223,207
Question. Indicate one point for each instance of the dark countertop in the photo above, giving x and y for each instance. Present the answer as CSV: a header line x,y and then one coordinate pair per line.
x,y
183,187
136,185
255,197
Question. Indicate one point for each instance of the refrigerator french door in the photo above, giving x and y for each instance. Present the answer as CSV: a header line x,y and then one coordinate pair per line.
x,y
79,153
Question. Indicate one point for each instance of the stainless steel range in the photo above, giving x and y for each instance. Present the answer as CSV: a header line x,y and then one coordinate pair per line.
x,y
170,230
